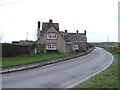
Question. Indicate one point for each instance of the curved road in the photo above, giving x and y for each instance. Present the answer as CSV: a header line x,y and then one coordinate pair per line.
x,y
65,74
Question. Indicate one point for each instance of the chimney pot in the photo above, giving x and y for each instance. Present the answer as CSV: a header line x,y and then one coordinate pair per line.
x,y
50,20
65,31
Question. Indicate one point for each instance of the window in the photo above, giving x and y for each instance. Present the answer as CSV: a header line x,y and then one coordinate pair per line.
x,y
51,36
51,47
76,47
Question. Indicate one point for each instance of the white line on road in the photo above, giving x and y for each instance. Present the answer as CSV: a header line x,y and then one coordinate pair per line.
x,y
93,74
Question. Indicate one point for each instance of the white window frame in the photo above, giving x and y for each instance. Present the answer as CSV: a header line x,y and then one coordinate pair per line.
x,y
51,47
52,36
75,47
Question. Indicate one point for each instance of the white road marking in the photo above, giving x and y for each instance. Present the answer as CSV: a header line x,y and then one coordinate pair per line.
x,y
93,74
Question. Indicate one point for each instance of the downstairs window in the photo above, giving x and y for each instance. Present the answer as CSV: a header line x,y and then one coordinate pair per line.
x,y
51,47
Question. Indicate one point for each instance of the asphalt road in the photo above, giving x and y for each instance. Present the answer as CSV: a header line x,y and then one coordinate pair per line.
x,y
65,74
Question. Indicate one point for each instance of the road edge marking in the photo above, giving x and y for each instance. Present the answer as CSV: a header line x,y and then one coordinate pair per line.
x,y
72,86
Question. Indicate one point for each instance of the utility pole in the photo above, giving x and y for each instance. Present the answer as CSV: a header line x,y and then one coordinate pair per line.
x,y
27,36
108,38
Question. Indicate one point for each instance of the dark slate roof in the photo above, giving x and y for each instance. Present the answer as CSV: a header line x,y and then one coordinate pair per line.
x,y
55,25
74,37
68,37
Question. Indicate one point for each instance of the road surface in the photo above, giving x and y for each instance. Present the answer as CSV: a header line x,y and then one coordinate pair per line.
x,y
65,74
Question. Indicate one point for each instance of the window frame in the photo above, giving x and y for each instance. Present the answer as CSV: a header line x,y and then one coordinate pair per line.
x,y
75,47
52,37
51,46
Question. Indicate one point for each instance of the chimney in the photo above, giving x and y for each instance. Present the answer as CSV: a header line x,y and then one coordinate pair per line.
x,y
50,21
38,30
85,32
77,31
65,31
38,24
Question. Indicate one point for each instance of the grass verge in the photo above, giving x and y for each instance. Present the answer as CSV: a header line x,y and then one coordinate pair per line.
x,y
20,60
106,79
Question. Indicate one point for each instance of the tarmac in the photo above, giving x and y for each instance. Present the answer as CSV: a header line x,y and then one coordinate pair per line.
x,y
39,64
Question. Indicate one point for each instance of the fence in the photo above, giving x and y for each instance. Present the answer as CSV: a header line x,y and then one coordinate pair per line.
x,y
9,50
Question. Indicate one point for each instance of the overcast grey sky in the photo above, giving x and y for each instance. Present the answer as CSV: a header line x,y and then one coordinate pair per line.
x,y
98,17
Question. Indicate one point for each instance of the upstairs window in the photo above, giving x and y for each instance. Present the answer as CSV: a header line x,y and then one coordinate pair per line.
x,y
52,36
51,47
75,47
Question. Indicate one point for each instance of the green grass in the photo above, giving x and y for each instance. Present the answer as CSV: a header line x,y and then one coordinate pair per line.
x,y
115,45
13,61
106,79
28,59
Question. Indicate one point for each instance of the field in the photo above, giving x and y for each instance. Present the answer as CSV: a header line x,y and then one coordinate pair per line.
x,y
106,79
108,45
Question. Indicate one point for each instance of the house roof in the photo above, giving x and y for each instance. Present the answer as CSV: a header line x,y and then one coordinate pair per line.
x,y
74,37
68,37
46,24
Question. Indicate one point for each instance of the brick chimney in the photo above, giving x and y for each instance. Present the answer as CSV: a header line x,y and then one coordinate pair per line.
x,y
38,30
50,22
38,24
85,32
65,31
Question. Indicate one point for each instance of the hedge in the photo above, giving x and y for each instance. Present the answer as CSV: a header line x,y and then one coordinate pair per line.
x,y
10,50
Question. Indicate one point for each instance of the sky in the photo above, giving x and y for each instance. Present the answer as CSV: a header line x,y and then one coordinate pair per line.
x,y
18,18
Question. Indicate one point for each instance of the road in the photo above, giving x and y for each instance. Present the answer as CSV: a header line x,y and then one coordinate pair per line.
x,y
65,74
